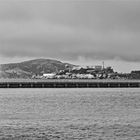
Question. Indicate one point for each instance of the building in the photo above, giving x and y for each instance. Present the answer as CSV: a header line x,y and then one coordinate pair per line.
x,y
49,75
98,68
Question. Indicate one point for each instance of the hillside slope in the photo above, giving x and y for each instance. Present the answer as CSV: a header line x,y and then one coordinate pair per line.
x,y
32,67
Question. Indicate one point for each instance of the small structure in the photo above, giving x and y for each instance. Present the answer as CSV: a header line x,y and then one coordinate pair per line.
x,y
98,67
49,75
84,76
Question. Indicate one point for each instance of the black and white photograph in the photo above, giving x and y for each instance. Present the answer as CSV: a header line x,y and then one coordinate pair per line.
x,y
69,69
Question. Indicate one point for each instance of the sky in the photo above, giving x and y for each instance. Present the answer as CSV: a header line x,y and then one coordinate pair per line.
x,y
84,32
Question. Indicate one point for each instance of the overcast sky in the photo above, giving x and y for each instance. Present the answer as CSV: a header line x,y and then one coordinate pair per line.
x,y
77,31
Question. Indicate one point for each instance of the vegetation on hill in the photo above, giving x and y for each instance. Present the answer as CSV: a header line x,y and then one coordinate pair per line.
x,y
32,67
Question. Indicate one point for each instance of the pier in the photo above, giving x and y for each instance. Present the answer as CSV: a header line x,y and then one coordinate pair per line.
x,y
68,83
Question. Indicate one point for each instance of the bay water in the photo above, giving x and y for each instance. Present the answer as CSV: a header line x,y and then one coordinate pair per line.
x,y
70,114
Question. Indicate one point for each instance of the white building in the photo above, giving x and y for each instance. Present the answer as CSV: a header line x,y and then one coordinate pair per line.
x,y
49,75
85,76
98,67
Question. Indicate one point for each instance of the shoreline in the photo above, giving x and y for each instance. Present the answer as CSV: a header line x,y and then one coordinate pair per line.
x,y
68,83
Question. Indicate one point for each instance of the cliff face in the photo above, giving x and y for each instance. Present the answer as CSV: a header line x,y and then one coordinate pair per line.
x,y
33,67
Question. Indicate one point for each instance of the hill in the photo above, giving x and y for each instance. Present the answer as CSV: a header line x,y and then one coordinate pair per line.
x,y
32,67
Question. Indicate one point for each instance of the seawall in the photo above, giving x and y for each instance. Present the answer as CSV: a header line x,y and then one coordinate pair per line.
x,y
68,83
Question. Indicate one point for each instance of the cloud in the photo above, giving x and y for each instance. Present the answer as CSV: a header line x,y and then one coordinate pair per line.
x,y
69,30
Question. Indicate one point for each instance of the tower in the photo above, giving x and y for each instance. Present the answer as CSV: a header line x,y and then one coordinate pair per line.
x,y
103,65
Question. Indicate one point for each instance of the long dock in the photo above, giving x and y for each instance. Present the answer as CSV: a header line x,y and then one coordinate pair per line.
x,y
68,83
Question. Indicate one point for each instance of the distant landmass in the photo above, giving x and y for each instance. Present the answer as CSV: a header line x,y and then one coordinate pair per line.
x,y
29,68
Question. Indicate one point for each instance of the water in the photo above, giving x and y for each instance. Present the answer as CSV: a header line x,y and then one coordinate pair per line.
x,y
70,114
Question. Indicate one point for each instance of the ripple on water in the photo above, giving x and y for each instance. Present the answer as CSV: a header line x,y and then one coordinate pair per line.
x,y
67,114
